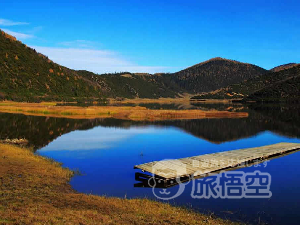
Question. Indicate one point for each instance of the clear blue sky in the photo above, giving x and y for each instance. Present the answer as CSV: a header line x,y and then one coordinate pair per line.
x,y
156,35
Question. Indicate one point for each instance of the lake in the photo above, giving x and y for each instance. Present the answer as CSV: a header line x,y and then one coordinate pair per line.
x,y
105,151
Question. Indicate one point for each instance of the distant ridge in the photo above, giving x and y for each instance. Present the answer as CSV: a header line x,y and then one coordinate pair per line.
x,y
284,67
283,85
26,75
285,90
215,59
214,74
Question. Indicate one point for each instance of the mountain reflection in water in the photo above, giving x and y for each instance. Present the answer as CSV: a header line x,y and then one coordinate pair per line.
x,y
39,130
105,151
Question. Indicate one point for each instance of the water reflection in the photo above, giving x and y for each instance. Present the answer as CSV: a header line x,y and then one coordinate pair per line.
x,y
280,119
109,171
105,151
96,138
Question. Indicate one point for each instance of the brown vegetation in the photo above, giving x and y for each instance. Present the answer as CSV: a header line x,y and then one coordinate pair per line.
x,y
118,112
8,36
284,67
15,141
35,190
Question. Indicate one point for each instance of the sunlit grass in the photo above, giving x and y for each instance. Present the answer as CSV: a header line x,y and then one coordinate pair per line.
x,y
119,112
35,190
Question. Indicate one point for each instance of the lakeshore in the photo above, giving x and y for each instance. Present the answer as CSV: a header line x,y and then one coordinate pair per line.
x,y
91,145
35,190
135,113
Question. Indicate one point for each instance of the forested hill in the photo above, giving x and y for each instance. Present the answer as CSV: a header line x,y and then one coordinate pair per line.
x,y
287,90
214,74
28,75
269,80
130,85
284,67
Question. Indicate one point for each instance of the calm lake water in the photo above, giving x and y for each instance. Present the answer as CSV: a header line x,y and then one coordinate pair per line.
x,y
106,150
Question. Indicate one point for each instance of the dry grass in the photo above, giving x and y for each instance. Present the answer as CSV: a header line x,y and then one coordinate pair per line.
x,y
35,190
26,104
122,112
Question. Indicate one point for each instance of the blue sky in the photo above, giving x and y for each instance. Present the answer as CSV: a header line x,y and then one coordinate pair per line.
x,y
153,36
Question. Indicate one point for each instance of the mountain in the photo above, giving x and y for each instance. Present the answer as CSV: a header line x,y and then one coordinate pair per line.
x,y
130,85
214,74
287,90
284,67
28,75
269,80
206,76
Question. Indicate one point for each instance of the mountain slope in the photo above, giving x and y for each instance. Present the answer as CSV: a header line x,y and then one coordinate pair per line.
x,y
130,85
246,88
286,90
283,67
28,75
214,74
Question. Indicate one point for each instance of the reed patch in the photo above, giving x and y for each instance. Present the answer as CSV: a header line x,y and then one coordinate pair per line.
x,y
117,112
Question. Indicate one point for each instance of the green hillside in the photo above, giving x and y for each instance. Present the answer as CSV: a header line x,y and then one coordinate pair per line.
x,y
28,75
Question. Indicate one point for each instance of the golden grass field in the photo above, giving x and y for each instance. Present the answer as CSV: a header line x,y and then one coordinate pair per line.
x,y
118,112
35,190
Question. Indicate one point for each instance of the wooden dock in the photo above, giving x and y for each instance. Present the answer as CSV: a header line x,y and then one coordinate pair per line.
x,y
201,165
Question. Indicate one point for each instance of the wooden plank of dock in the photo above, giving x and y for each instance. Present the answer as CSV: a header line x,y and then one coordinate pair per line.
x,y
208,163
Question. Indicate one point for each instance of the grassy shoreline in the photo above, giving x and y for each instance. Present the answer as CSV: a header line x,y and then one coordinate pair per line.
x,y
36,190
118,112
